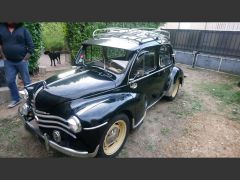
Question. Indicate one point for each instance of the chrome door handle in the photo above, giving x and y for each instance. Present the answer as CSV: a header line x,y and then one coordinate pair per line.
x,y
133,85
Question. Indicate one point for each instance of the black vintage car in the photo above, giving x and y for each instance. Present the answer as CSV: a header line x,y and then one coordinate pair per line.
x,y
89,110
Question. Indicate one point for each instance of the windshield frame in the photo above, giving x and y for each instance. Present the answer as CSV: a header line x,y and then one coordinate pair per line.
x,y
129,54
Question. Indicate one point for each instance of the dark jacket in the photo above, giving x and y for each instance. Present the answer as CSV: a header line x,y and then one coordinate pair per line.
x,y
17,44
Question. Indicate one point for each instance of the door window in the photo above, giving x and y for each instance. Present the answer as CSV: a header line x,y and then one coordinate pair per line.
x,y
146,62
164,56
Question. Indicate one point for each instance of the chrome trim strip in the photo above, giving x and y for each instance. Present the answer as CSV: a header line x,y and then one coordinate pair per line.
x,y
36,93
155,102
95,127
53,122
130,68
51,117
55,127
133,81
72,152
28,123
134,126
90,107
33,83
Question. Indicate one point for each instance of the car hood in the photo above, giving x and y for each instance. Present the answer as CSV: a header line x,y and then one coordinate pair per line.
x,y
72,85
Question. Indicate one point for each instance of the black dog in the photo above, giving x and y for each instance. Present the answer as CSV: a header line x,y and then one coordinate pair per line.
x,y
53,56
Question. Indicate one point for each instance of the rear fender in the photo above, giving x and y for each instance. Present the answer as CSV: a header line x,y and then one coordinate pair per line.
x,y
175,74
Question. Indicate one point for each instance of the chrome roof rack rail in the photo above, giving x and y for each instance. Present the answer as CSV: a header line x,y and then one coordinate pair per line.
x,y
103,31
141,35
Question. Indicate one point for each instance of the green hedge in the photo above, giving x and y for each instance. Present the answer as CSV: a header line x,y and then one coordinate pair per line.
x,y
36,31
76,33
53,35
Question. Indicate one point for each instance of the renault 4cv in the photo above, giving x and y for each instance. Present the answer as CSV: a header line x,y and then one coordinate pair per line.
x,y
90,109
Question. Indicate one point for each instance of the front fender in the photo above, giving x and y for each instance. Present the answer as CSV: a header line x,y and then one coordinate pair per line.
x,y
95,113
98,111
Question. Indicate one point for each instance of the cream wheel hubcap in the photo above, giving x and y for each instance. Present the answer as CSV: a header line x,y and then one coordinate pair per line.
x,y
114,137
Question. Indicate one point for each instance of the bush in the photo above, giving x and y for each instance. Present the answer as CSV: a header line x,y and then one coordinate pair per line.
x,y
76,33
54,36
36,32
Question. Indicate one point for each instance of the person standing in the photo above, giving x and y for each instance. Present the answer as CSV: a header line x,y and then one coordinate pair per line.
x,y
16,47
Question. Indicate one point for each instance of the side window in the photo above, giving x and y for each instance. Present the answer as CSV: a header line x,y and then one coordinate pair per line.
x,y
164,56
146,62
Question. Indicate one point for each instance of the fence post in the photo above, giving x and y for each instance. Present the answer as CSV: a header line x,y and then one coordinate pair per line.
x,y
195,53
220,63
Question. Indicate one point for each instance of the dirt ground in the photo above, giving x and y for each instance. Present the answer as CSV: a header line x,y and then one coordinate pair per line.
x,y
200,122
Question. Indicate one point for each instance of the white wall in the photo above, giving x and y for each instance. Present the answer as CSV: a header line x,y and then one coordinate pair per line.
x,y
218,26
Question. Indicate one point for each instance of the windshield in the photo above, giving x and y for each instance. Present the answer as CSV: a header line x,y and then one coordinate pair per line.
x,y
113,59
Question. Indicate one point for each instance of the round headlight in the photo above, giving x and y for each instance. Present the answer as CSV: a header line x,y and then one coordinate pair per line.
x,y
24,109
74,124
24,94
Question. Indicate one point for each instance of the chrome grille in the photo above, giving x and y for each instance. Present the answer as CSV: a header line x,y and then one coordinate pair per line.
x,y
32,104
46,120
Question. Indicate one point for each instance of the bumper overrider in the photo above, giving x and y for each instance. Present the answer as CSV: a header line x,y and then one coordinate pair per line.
x,y
51,144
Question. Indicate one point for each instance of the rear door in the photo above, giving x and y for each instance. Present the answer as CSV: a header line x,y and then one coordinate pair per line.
x,y
165,64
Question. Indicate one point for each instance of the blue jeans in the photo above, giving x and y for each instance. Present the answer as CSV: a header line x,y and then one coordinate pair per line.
x,y
11,71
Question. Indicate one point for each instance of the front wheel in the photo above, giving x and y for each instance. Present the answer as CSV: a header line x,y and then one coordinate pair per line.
x,y
114,136
173,90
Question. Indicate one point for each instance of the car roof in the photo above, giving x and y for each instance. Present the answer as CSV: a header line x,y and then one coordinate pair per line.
x,y
129,39
114,42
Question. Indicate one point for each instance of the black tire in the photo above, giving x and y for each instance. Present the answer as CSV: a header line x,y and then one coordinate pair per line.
x,y
121,118
175,90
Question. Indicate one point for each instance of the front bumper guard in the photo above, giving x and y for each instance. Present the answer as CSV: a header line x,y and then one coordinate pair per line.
x,y
55,146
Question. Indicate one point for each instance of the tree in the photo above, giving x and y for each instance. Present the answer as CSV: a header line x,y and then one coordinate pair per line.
x,y
53,35
36,31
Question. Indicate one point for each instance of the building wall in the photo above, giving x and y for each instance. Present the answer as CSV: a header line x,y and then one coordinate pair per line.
x,y
216,26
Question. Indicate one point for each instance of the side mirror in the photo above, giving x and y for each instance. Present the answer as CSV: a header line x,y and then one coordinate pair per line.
x,y
139,73
79,60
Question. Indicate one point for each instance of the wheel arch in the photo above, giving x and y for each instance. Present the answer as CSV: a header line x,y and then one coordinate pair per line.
x,y
175,74
129,114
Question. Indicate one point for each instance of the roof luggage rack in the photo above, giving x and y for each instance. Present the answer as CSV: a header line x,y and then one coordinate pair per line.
x,y
141,35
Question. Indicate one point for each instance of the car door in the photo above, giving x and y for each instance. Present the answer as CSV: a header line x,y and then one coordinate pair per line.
x,y
143,79
165,64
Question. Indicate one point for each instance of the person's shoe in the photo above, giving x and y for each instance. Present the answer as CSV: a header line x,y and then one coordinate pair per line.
x,y
14,103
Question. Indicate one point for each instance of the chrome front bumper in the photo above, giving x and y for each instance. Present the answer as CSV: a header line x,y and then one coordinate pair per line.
x,y
53,145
